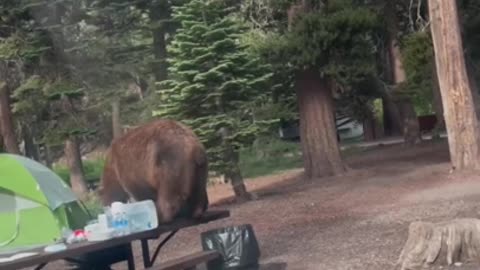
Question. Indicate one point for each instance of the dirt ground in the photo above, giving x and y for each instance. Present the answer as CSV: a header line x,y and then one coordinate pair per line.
x,y
356,221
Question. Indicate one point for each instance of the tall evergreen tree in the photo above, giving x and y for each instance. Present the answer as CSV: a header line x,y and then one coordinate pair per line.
x,y
329,47
214,84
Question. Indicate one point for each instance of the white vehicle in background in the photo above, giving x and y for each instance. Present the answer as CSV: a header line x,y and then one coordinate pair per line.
x,y
347,129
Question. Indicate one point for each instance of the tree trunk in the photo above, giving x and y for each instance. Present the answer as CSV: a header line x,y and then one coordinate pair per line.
x,y
116,122
159,12
437,104
473,86
318,137
411,127
31,150
460,117
74,160
238,185
392,121
233,172
6,121
2,147
48,156
391,117
369,128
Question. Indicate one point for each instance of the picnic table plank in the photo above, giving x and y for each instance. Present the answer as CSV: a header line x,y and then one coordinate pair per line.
x,y
89,247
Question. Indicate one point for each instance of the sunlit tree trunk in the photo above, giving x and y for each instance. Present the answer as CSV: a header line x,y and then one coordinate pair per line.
x,y
460,117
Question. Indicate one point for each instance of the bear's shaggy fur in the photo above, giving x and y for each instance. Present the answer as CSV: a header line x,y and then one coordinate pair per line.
x,y
163,161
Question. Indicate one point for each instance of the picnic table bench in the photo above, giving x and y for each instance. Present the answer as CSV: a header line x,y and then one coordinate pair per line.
x,y
40,260
189,261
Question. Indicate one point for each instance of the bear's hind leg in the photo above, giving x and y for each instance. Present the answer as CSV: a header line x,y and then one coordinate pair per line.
x,y
201,205
199,193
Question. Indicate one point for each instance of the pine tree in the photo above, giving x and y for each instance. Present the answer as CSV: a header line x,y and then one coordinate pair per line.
x,y
214,84
330,47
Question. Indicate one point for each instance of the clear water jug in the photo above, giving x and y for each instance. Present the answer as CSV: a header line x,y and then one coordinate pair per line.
x,y
142,216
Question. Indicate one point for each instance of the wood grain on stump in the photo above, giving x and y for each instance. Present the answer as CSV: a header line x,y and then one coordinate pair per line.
x,y
444,243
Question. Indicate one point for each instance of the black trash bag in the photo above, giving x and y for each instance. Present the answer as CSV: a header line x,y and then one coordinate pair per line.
x,y
238,246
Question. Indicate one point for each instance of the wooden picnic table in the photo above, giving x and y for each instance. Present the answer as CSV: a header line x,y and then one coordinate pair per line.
x,y
78,249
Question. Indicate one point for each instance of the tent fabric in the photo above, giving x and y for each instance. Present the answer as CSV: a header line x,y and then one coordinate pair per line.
x,y
35,205
55,192
11,203
24,229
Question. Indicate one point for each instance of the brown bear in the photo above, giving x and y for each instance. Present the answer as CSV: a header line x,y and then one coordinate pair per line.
x,y
163,161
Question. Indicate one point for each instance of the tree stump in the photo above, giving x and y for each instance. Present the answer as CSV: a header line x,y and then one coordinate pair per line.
x,y
444,243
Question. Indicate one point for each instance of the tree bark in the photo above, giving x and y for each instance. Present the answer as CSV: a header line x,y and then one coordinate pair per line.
x,y
369,128
410,125
31,150
116,122
460,117
321,152
391,116
6,121
160,11
74,160
473,86
48,156
2,147
238,184
437,103
232,172
440,244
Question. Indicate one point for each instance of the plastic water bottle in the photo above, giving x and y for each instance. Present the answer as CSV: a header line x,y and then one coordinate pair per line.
x,y
120,219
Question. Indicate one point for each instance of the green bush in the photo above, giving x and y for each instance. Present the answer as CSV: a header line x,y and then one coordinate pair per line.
x,y
93,170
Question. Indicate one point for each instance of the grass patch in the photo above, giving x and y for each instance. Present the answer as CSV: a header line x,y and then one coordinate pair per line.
x,y
268,157
265,157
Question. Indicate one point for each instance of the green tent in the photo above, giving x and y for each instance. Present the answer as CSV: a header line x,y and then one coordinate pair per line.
x,y
35,204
